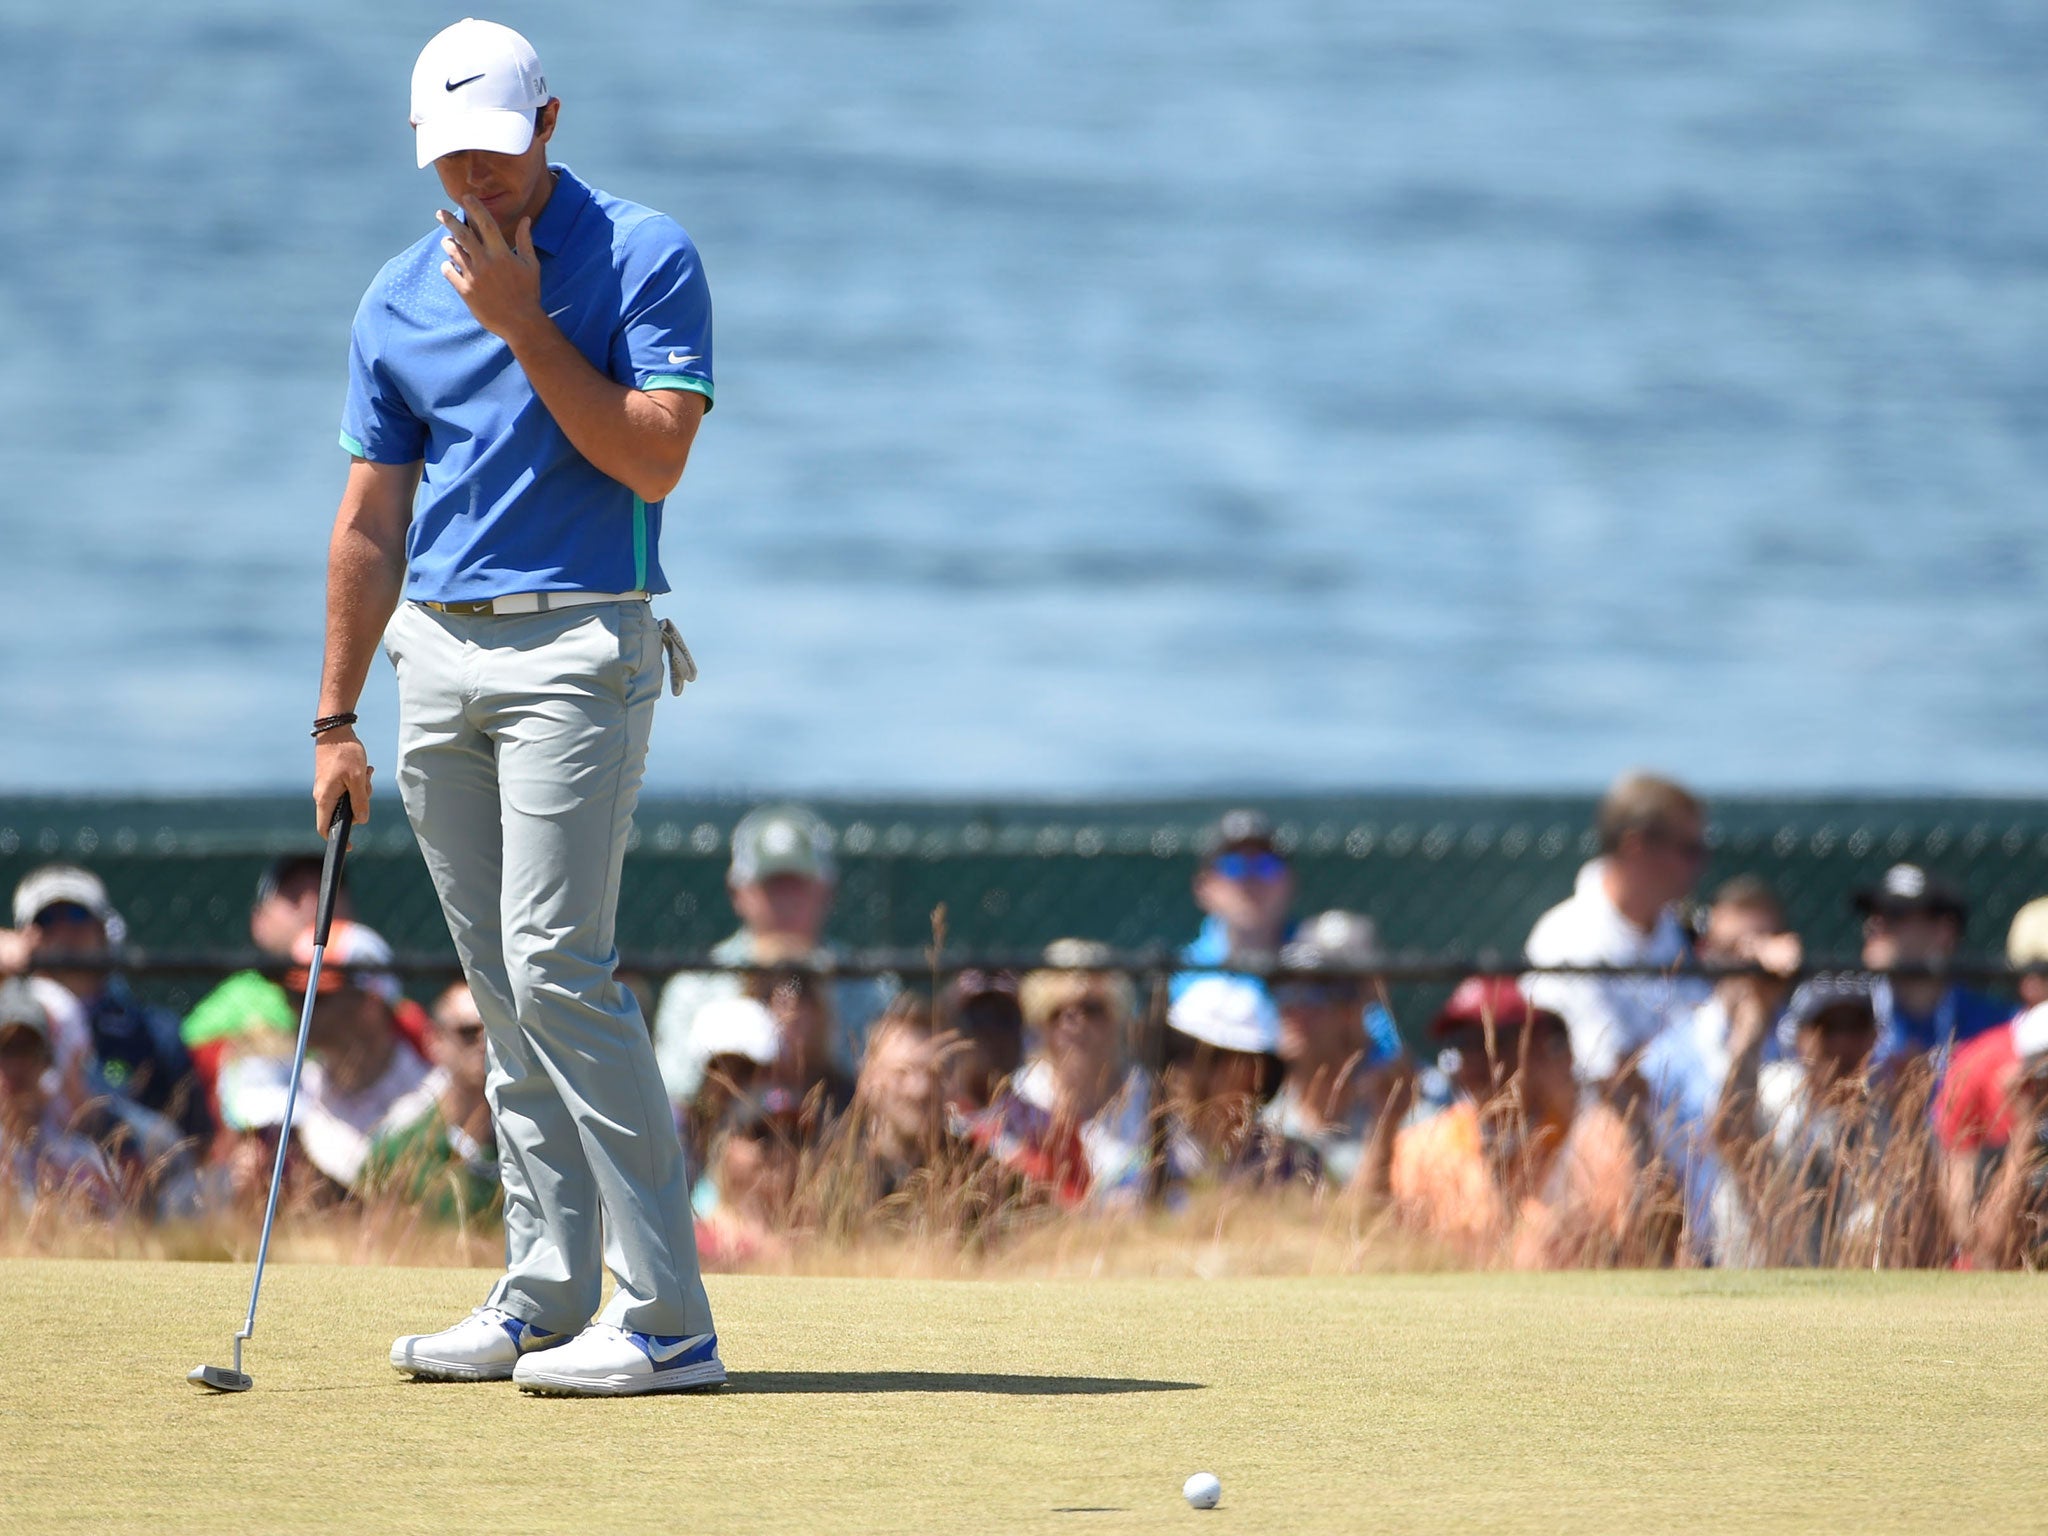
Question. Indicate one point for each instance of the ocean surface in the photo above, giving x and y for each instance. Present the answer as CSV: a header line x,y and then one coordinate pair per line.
x,y
1141,398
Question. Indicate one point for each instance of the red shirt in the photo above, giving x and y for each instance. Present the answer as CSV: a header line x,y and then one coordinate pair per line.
x,y
1975,1107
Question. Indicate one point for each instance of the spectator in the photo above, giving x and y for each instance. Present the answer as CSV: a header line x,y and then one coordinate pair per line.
x,y
73,1079
1685,1067
67,916
1524,1165
741,1043
1912,917
1245,889
902,1119
2011,1228
806,1065
782,883
1221,1069
435,1150
287,895
1973,1118
1076,1122
1807,1142
985,1023
1345,1074
743,1203
44,1161
358,1064
1624,912
903,1163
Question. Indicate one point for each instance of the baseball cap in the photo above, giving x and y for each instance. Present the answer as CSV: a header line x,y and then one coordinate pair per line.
x,y
972,983
2026,942
44,888
1482,1000
19,1009
355,956
477,85
1907,889
1077,955
1828,990
1228,1012
1240,828
736,1026
781,840
1333,941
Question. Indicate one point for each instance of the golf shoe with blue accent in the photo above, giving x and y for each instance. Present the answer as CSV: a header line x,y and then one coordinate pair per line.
x,y
604,1361
484,1346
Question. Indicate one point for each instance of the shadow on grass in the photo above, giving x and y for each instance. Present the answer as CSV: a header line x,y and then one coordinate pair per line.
x,y
743,1382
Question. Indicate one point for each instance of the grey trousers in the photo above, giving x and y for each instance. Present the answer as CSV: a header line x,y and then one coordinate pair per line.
x,y
522,740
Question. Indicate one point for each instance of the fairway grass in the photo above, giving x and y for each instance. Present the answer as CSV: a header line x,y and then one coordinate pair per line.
x,y
1582,1403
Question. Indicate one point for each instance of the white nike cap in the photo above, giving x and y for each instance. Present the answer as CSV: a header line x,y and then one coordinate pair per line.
x,y
477,85
1232,1013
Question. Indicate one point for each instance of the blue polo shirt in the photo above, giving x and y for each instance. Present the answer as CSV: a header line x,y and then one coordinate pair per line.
x,y
506,503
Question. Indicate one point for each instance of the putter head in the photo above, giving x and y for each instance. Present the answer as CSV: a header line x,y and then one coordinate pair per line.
x,y
219,1378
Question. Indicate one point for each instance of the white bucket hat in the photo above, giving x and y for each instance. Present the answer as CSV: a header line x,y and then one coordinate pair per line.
x,y
477,85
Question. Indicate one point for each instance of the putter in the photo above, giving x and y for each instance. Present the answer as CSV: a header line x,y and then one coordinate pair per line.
x,y
220,1378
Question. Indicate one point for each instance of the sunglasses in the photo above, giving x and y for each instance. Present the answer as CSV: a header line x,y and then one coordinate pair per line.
x,y
1250,866
1087,1007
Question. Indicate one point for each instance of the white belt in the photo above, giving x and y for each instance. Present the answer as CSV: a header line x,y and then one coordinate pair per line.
x,y
536,602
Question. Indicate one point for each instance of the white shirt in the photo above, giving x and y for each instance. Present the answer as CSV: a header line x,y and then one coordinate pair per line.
x,y
1117,1142
335,1127
71,1052
1815,1196
857,1001
1610,1017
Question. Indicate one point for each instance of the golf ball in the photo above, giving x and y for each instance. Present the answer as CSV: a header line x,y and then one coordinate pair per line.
x,y
1202,1490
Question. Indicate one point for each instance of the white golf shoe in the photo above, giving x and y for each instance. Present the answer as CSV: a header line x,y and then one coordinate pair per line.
x,y
603,1361
484,1346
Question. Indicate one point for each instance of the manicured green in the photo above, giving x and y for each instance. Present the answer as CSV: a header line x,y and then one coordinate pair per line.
x,y
1634,1403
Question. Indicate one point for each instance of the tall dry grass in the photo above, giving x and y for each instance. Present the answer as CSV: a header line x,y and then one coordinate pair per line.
x,y
1866,1197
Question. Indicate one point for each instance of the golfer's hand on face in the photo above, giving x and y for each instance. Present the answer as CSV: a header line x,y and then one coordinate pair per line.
x,y
340,765
500,283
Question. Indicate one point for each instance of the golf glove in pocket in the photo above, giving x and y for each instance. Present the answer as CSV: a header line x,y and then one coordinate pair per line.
x,y
682,666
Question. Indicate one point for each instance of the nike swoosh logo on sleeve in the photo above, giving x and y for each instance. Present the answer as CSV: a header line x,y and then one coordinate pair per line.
x,y
677,359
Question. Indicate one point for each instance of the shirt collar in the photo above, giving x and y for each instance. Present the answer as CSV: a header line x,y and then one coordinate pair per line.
x,y
1591,889
551,229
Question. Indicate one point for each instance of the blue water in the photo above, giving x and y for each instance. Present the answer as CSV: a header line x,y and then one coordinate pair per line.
x,y
1129,397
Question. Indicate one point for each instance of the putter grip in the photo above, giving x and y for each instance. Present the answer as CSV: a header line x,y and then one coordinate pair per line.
x,y
330,870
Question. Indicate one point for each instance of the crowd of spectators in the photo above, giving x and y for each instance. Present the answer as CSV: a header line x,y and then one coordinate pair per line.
x,y
1667,1083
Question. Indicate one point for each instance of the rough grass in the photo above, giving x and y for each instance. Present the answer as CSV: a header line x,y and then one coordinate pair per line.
x,y
1583,1403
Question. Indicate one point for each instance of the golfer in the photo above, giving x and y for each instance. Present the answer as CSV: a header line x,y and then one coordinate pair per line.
x,y
524,387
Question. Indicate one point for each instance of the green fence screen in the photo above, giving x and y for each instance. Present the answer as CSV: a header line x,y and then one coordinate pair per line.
x,y
1438,873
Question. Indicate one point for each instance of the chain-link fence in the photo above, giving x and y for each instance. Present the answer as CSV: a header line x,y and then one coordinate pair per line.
x,y
1439,874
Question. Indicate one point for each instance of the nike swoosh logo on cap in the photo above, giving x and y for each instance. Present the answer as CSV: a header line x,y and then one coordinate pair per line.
x,y
456,85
